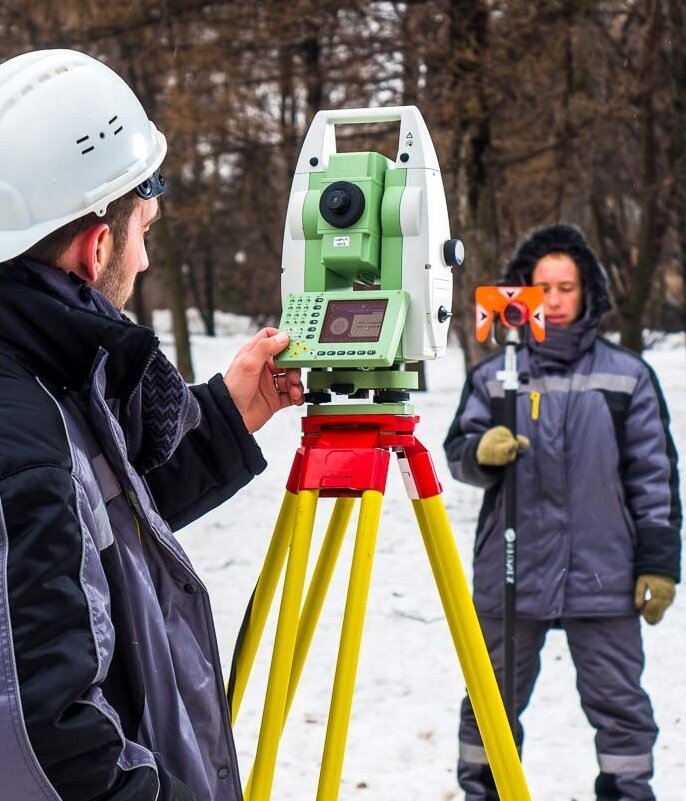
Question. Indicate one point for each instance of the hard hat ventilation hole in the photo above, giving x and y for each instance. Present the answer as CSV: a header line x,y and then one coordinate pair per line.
x,y
81,141
120,128
102,135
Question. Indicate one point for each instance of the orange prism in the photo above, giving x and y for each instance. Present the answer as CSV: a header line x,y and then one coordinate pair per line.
x,y
526,301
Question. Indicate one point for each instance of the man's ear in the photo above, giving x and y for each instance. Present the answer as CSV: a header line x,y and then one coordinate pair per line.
x,y
95,251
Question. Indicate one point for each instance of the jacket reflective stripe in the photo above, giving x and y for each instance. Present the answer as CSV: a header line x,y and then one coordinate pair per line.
x,y
579,382
626,763
476,754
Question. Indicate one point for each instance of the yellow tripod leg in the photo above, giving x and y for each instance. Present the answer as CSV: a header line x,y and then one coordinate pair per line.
x,y
321,578
349,650
471,649
259,788
262,599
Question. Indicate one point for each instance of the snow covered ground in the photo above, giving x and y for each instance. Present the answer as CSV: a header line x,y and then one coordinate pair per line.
x,y
402,742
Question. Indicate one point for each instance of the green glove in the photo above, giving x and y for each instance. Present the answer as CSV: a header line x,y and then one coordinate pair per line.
x,y
653,595
498,446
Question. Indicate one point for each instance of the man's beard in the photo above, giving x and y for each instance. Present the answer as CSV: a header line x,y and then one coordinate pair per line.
x,y
114,283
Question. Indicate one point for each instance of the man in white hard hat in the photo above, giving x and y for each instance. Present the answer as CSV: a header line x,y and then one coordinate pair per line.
x,y
110,682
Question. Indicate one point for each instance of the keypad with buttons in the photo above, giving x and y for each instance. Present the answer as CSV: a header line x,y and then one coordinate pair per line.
x,y
304,318
300,321
298,315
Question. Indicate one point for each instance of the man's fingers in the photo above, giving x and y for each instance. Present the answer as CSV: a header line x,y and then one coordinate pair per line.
x,y
273,342
263,333
260,351
296,393
262,347
287,378
258,338
281,382
288,384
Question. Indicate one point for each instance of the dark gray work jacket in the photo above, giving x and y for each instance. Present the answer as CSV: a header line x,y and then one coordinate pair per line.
x,y
110,679
597,491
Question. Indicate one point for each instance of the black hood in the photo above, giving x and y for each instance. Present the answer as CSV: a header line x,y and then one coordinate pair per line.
x,y
561,238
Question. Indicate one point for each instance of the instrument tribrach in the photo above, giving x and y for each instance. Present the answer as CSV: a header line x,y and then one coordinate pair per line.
x,y
366,289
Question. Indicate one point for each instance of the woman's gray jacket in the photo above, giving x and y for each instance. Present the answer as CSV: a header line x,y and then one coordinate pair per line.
x,y
110,680
597,491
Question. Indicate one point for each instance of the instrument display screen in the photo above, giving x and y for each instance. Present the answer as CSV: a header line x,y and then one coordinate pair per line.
x,y
353,320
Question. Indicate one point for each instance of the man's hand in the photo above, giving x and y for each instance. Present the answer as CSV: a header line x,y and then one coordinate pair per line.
x,y
653,595
498,446
256,385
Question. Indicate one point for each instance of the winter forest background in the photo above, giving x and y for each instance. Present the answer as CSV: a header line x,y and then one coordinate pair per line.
x,y
539,110
557,109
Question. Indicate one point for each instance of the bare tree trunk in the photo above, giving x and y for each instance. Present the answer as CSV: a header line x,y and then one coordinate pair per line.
x,y
173,282
208,265
472,150
637,301
198,298
314,80
140,305
563,133
677,63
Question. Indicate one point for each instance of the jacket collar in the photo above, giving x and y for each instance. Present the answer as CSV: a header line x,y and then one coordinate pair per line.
x,y
562,346
57,325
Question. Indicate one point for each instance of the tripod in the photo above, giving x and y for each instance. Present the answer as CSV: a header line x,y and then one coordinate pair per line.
x,y
346,456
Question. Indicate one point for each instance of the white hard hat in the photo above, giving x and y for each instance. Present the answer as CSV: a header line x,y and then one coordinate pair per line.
x,y
73,138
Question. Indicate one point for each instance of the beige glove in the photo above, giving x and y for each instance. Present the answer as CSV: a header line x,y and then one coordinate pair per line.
x,y
498,446
653,595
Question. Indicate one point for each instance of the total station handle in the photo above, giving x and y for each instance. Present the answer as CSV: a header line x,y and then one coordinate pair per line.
x,y
415,148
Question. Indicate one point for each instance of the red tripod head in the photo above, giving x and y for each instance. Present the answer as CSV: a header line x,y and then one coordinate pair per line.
x,y
514,306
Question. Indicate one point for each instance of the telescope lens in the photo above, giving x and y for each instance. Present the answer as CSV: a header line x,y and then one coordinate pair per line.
x,y
338,201
341,204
